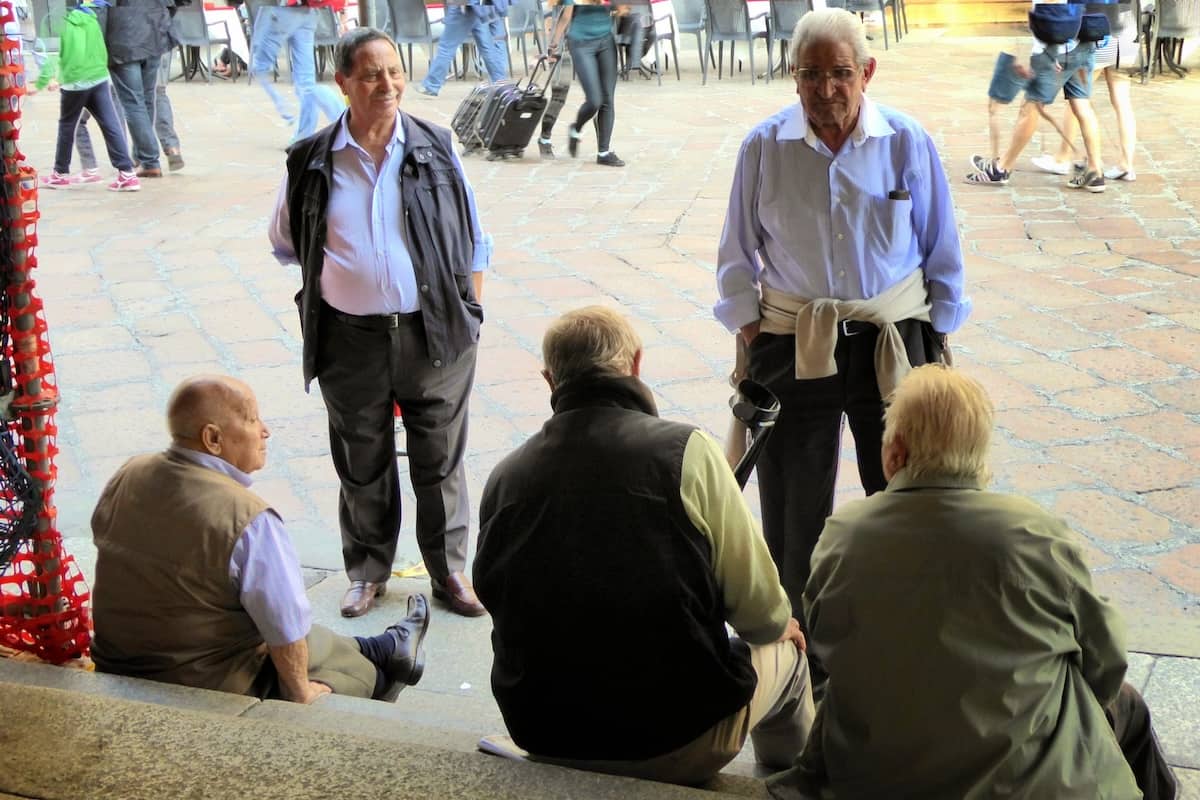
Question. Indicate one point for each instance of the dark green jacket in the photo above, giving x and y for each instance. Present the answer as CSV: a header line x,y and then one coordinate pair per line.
x,y
969,656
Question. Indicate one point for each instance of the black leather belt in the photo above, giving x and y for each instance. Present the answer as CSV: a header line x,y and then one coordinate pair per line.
x,y
373,322
853,327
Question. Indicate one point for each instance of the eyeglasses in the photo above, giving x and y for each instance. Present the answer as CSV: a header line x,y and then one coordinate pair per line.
x,y
839,75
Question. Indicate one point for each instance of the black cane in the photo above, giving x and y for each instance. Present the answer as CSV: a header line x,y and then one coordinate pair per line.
x,y
756,408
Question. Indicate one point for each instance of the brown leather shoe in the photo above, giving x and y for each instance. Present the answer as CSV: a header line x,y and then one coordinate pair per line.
x,y
150,172
360,597
457,593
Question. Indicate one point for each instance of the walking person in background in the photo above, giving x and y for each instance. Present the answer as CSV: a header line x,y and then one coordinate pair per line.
x,y
82,72
296,26
594,52
137,33
484,23
560,86
1109,55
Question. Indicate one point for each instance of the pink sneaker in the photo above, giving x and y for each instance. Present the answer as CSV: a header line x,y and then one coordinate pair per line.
x,y
87,176
125,182
56,180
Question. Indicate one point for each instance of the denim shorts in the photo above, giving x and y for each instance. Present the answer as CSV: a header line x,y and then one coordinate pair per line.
x,y
1006,84
1047,80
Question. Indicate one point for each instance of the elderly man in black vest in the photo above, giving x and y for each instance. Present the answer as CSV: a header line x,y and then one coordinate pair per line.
x,y
197,582
378,213
612,525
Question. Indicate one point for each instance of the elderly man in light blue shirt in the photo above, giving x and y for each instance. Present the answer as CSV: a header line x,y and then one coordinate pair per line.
x,y
197,581
840,267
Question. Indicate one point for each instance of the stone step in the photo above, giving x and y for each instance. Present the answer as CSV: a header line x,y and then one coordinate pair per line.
x,y
131,738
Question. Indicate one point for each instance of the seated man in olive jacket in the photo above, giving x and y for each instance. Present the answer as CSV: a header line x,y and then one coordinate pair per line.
x,y
968,654
614,547
197,582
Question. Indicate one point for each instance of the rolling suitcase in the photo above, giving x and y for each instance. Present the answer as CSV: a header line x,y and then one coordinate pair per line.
x,y
511,121
511,116
466,119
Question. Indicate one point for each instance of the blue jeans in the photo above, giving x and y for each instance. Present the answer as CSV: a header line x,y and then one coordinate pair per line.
x,y
596,68
136,82
484,26
164,123
296,27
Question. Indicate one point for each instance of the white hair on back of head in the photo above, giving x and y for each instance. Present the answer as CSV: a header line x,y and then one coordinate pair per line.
x,y
829,25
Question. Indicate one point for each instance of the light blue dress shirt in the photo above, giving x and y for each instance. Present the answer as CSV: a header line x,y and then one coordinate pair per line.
x,y
818,225
264,567
368,268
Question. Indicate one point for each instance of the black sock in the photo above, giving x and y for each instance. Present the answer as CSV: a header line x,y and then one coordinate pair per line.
x,y
377,649
381,682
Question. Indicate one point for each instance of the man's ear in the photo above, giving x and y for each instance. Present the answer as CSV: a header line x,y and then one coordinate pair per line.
x,y
549,379
210,438
636,369
895,456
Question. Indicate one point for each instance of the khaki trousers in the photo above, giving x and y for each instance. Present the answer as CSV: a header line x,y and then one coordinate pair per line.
x,y
777,720
333,660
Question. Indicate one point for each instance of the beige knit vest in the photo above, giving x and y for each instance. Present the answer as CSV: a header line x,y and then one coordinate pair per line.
x,y
163,605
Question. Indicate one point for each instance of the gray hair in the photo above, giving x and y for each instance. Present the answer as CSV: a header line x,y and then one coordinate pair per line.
x,y
829,25
594,340
349,45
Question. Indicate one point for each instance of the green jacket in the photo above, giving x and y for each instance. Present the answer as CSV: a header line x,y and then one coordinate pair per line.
x,y
82,58
969,656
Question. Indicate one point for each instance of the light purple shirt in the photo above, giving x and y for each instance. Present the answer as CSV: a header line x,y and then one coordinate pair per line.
x,y
264,567
817,225
368,268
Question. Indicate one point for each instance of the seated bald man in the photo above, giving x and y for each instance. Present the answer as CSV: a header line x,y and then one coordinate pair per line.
x,y
197,582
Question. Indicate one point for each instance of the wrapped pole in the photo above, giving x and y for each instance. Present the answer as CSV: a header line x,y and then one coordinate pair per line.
x,y
43,597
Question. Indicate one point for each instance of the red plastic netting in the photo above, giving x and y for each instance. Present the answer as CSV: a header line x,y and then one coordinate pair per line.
x,y
43,596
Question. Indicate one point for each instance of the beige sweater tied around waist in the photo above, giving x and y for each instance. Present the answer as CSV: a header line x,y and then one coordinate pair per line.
x,y
815,325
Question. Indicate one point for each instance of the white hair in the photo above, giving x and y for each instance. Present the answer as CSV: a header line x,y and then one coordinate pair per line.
x,y
829,25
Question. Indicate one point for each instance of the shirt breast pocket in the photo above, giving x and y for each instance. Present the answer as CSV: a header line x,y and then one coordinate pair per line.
x,y
889,229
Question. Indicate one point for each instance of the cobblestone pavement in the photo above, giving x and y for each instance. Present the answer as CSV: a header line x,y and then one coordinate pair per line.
x,y
1086,329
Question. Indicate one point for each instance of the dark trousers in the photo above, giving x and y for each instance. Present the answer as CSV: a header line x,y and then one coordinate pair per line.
x,y
1130,720
362,371
98,101
596,68
559,88
798,466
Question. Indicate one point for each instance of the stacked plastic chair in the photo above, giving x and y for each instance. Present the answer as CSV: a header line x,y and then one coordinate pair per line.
x,y
43,596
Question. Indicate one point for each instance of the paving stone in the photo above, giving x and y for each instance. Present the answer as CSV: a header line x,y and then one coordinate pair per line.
x,y
1173,690
1120,366
1138,673
1128,466
1111,519
1174,343
1048,425
1181,503
1159,618
1105,402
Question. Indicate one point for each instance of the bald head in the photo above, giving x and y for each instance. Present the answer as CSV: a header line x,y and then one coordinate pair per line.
x,y
218,415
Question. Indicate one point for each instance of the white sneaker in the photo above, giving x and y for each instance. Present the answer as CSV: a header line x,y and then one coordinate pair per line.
x,y
1048,163
1118,174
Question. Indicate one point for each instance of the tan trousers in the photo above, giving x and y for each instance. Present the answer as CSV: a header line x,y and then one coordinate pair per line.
x,y
333,660
777,720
